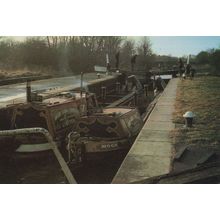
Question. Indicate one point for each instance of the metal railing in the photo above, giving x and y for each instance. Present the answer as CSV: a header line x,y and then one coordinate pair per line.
x,y
54,148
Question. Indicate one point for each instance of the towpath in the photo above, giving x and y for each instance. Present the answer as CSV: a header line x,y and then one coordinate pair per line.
x,y
152,152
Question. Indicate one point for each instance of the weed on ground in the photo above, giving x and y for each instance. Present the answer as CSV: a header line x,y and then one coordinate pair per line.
x,y
201,96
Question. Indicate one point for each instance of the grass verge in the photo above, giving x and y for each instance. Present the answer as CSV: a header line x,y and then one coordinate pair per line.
x,y
201,96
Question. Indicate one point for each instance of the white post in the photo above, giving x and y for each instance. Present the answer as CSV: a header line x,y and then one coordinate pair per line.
x,y
188,59
107,63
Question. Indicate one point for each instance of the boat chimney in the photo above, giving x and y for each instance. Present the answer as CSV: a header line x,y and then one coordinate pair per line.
x,y
103,93
28,90
107,64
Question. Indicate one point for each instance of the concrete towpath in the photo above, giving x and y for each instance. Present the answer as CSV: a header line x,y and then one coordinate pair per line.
x,y
152,152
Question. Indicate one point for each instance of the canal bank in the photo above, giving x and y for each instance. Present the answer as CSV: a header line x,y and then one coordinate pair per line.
x,y
152,152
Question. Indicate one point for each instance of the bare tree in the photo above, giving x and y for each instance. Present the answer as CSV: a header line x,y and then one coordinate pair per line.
x,y
72,53
127,51
144,47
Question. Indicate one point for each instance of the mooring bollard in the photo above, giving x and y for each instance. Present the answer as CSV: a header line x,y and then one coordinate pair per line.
x,y
184,76
189,119
146,89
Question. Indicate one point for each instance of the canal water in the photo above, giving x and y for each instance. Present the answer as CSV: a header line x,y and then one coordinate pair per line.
x,y
46,170
14,93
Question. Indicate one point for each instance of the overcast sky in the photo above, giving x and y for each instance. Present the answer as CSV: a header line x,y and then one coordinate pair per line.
x,y
177,46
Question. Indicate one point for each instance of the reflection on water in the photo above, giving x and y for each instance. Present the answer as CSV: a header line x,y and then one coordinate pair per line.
x,y
100,171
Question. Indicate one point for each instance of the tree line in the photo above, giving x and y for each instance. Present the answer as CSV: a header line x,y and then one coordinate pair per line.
x,y
75,53
211,58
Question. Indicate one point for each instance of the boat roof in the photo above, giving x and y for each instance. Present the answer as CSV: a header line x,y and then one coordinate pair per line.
x,y
64,97
117,110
